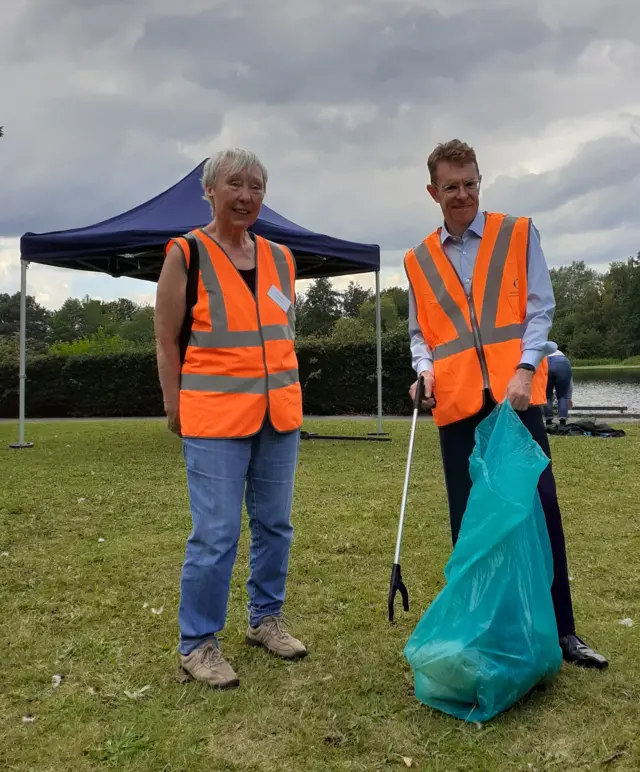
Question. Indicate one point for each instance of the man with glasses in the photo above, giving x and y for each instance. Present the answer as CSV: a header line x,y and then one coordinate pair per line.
x,y
481,307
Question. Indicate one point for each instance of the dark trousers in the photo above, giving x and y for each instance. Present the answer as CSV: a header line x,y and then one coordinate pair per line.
x,y
558,380
457,442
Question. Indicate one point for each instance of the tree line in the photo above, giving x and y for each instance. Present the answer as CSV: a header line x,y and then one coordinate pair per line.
x,y
597,316
78,326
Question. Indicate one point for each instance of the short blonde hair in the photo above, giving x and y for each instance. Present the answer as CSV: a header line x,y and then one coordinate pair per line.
x,y
237,159
453,152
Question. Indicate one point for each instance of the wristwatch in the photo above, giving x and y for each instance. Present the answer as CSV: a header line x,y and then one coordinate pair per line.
x,y
526,366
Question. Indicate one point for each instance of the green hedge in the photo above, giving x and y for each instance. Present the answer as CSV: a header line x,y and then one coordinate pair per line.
x,y
337,379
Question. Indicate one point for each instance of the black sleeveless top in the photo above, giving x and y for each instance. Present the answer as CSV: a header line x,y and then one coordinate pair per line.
x,y
249,275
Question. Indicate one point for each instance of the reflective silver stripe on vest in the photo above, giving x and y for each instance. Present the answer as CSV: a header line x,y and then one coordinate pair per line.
x,y
282,266
229,384
217,310
490,333
220,335
465,339
488,330
238,339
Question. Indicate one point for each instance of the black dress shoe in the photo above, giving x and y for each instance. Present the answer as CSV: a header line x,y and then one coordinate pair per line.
x,y
578,653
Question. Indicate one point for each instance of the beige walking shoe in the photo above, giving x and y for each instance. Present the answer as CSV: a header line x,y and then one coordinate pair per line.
x,y
271,634
207,664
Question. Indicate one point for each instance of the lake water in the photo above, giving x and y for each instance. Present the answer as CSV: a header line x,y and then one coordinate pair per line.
x,y
607,387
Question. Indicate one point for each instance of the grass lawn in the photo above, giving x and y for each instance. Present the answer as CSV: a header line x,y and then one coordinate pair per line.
x,y
81,608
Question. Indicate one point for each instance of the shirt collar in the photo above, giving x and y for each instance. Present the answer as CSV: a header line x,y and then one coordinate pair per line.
x,y
476,227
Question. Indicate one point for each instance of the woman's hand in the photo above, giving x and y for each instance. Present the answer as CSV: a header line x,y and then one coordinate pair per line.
x,y
173,418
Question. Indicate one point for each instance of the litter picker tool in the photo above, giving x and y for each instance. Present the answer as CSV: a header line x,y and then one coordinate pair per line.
x,y
396,584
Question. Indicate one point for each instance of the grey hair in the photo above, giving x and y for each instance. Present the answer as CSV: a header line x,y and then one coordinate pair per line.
x,y
237,159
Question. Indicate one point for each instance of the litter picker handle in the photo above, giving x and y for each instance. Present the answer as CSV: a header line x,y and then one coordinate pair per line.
x,y
419,395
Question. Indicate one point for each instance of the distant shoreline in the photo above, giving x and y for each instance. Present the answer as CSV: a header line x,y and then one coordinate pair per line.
x,y
606,367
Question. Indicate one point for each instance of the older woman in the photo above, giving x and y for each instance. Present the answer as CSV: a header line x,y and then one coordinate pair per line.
x,y
229,375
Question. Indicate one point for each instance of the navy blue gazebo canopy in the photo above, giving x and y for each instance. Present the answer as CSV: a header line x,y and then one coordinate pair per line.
x,y
132,243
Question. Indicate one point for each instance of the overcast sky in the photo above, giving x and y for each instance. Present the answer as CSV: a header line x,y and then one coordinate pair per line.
x,y
105,104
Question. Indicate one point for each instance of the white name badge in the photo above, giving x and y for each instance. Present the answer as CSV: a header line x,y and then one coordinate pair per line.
x,y
278,298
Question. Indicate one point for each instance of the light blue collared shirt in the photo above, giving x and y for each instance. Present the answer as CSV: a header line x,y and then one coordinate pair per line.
x,y
540,299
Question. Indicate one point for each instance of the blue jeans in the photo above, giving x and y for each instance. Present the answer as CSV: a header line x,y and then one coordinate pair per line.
x,y
558,379
220,474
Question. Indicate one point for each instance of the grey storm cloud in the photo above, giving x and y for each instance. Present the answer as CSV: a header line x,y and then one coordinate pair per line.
x,y
386,53
107,103
603,166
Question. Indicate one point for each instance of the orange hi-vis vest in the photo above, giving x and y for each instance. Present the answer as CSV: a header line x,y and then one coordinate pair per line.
x,y
476,339
240,362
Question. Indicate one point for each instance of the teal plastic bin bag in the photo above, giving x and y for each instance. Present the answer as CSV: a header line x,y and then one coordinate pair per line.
x,y
490,635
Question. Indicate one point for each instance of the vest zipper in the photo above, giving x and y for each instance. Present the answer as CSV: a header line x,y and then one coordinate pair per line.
x,y
478,341
475,327
264,347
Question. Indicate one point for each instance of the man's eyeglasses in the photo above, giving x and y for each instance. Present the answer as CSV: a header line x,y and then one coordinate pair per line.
x,y
470,187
